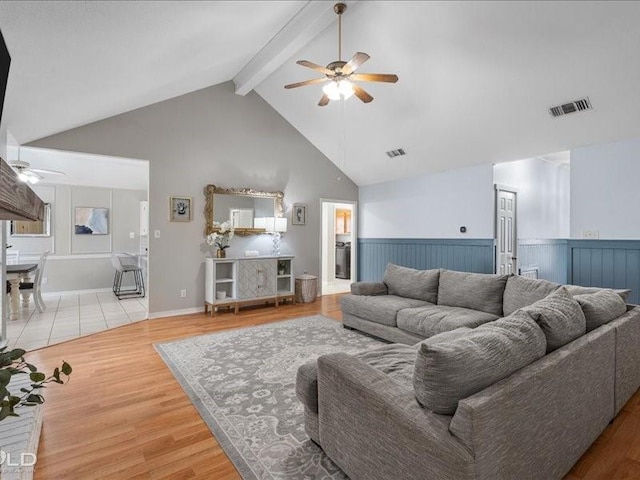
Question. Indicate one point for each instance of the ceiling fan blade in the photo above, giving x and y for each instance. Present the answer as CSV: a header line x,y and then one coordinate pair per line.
x,y
374,77
306,82
47,172
316,67
358,59
362,94
324,100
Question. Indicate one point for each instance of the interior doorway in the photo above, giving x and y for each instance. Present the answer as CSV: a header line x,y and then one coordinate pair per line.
x,y
506,230
338,245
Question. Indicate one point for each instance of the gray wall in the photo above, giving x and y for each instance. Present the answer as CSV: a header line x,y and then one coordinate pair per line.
x,y
81,262
213,136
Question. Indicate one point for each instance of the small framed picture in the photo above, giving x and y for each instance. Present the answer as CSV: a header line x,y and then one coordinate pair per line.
x,y
180,209
299,215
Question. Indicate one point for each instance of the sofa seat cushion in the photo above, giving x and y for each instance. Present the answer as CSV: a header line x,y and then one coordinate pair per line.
x,y
412,283
477,291
522,292
560,317
396,360
431,320
381,309
601,307
453,365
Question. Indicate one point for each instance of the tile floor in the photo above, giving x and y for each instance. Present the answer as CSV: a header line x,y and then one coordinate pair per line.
x,y
338,286
71,316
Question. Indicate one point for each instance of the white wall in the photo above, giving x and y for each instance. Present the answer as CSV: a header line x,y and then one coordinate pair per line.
x,y
543,196
430,206
605,193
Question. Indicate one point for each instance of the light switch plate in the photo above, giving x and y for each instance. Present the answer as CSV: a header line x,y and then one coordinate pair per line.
x,y
156,233
132,234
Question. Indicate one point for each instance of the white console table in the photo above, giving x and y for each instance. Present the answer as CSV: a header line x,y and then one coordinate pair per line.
x,y
247,280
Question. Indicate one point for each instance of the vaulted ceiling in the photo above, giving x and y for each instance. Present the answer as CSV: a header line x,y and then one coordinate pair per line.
x,y
476,78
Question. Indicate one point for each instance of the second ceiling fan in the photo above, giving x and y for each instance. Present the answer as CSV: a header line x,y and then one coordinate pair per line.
x,y
341,75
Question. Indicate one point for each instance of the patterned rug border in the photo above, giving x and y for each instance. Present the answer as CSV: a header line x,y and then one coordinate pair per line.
x,y
229,448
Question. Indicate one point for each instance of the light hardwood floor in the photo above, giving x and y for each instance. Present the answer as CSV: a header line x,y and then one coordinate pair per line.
x,y
124,416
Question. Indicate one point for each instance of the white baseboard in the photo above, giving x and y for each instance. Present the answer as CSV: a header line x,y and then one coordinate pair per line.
x,y
175,313
75,292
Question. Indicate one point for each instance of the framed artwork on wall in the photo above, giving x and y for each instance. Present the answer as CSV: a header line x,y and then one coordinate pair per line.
x,y
299,215
180,209
91,221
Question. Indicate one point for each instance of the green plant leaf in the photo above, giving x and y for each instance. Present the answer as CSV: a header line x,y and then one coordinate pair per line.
x,y
37,376
35,399
66,368
16,353
4,393
5,360
5,377
13,400
32,368
4,412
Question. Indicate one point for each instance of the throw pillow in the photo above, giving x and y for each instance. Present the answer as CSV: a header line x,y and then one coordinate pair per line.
x,y
601,307
522,292
477,291
453,365
560,318
411,283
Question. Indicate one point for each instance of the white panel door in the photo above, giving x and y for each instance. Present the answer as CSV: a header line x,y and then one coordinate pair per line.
x,y
506,233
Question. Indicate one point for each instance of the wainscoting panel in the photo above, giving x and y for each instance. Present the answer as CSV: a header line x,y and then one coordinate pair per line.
x,y
469,255
549,257
606,263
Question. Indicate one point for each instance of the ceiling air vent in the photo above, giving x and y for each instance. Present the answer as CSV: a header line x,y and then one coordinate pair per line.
x,y
571,107
396,153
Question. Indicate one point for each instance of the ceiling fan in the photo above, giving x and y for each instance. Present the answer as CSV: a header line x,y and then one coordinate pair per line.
x,y
341,75
31,175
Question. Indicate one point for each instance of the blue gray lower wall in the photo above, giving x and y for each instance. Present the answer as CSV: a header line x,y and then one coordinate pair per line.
x,y
469,255
598,263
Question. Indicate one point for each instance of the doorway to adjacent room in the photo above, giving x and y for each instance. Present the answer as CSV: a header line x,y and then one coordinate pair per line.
x,y
338,246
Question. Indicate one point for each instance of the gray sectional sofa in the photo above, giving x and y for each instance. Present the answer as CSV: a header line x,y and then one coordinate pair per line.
x,y
491,377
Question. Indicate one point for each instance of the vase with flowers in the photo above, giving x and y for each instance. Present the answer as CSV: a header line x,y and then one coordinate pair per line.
x,y
220,238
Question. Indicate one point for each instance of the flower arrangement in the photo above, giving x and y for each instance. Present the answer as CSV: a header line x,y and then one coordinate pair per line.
x,y
220,238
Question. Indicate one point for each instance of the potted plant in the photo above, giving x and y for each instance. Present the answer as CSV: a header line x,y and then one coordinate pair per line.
x,y
221,237
282,267
12,363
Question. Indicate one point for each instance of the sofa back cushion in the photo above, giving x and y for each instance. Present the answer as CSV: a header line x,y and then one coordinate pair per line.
x,y
579,290
477,291
412,283
560,317
456,364
601,307
522,292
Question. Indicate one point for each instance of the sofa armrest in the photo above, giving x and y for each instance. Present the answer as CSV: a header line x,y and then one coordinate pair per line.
x,y
369,288
537,422
373,428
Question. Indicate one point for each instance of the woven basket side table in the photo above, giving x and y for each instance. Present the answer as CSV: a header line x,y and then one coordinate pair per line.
x,y
306,288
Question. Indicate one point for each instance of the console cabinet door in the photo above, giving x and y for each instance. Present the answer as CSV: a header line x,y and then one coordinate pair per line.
x,y
256,278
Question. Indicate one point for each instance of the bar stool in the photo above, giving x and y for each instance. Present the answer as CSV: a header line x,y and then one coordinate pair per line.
x,y
121,270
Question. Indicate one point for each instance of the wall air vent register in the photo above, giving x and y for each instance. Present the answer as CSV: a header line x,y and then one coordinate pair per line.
x,y
580,105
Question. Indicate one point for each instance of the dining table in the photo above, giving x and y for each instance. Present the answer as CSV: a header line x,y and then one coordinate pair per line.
x,y
16,274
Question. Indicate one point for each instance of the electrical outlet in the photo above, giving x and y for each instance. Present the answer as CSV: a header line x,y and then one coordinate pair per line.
x,y
183,293
592,234
45,280
156,233
132,234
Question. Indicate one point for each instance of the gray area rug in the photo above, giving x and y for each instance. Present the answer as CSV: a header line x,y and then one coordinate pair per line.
x,y
243,384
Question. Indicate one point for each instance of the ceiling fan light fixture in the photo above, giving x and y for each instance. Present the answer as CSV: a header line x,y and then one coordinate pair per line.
x,y
23,177
345,87
336,90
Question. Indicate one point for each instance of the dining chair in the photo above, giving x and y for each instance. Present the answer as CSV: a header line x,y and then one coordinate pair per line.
x,y
35,288
121,270
13,257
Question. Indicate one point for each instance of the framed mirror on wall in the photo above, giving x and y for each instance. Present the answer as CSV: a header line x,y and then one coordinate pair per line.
x,y
39,228
246,209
